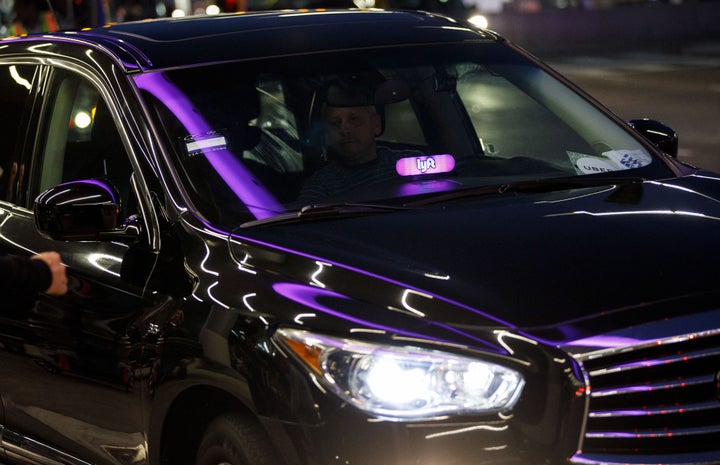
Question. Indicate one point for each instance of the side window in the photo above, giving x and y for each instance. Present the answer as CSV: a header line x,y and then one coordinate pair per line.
x,y
82,140
15,96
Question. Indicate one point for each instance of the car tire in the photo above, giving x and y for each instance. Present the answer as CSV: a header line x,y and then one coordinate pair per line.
x,y
232,439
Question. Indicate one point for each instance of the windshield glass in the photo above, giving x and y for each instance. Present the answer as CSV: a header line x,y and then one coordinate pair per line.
x,y
256,139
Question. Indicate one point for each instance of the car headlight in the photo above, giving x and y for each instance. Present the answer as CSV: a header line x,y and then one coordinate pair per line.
x,y
404,382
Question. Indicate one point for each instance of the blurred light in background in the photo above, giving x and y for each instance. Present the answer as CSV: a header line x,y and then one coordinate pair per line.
x,y
82,119
479,21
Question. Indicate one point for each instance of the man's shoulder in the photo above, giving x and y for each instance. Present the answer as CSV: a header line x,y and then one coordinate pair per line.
x,y
384,151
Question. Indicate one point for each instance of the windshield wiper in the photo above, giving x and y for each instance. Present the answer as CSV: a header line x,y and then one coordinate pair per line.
x,y
325,211
550,184
536,185
344,210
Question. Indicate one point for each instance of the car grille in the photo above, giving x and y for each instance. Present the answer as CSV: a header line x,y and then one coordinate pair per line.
x,y
655,403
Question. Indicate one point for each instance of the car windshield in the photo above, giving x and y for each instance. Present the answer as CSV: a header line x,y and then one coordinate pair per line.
x,y
386,126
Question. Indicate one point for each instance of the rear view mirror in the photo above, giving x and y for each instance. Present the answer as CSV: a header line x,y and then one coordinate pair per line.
x,y
355,94
391,91
664,137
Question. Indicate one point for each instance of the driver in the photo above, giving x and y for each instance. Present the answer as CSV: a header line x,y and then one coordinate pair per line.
x,y
356,160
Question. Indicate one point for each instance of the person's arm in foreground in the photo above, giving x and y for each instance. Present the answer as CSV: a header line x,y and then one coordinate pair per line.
x,y
43,272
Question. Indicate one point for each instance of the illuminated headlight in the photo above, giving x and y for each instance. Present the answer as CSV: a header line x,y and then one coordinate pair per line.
x,y
402,382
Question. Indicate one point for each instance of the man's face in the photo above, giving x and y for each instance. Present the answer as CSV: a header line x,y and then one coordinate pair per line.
x,y
351,131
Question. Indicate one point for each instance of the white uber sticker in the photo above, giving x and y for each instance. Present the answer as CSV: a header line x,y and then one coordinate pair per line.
x,y
629,159
589,164
613,160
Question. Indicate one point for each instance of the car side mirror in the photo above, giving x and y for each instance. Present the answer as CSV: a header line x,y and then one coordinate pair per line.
x,y
86,210
664,137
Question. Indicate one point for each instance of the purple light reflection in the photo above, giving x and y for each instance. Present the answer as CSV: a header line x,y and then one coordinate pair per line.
x,y
427,187
99,184
309,296
637,413
625,390
241,181
639,435
240,239
491,319
604,342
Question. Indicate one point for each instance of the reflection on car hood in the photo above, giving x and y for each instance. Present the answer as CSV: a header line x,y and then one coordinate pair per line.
x,y
536,261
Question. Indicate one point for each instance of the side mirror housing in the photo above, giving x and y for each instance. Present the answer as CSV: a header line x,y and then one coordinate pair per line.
x,y
664,137
86,210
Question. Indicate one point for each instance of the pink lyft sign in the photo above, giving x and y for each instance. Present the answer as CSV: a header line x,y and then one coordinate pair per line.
x,y
430,164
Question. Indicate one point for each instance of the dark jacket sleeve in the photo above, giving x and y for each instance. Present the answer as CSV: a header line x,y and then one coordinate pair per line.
x,y
21,275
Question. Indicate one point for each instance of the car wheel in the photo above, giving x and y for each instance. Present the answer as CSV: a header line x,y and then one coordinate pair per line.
x,y
234,440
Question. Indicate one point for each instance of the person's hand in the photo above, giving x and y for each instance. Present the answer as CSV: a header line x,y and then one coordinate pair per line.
x,y
58,285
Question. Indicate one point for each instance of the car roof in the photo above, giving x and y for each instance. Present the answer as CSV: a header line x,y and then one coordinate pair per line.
x,y
181,42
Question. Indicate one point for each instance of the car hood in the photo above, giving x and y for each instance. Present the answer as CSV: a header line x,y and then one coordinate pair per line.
x,y
534,261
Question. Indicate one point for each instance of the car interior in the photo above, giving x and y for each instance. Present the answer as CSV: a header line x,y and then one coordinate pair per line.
x,y
490,122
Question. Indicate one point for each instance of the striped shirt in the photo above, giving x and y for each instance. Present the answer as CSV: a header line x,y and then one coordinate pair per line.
x,y
336,179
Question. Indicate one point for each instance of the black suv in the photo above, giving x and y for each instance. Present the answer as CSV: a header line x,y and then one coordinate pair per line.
x,y
346,237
